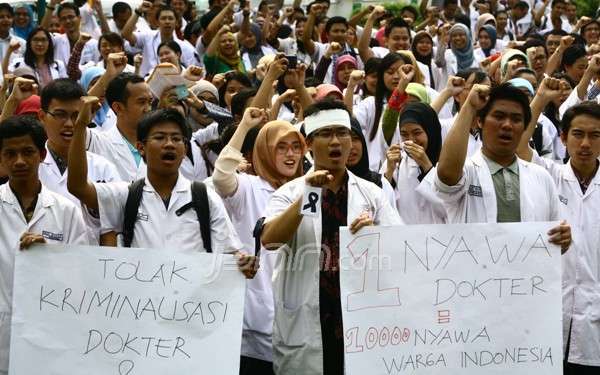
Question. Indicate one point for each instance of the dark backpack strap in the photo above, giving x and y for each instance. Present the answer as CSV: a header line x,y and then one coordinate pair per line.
x,y
134,197
258,229
201,205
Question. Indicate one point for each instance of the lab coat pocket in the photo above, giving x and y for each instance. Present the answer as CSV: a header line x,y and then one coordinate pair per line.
x,y
292,325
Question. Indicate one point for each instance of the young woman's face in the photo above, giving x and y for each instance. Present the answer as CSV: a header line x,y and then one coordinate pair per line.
x,y
249,40
106,48
484,40
288,154
424,47
501,21
299,30
415,133
22,18
371,83
458,39
233,87
356,151
167,55
343,73
391,77
39,43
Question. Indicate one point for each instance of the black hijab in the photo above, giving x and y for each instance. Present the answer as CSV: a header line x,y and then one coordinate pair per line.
x,y
361,169
424,115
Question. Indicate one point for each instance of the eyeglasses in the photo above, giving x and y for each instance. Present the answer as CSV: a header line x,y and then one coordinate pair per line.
x,y
339,132
64,116
163,138
283,148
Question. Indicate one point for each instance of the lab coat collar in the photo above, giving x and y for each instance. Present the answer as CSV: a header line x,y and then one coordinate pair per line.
x,y
51,163
7,196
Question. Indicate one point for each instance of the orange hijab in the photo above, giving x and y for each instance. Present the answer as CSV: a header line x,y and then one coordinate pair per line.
x,y
265,147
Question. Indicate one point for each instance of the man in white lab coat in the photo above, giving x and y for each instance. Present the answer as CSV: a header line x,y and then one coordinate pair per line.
x,y
578,185
29,213
494,185
307,332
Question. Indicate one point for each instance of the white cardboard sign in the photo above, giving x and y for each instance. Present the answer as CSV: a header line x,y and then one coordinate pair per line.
x,y
451,299
92,310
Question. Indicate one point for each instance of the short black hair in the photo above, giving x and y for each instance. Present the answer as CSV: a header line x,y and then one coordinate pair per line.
x,y
507,91
120,7
464,19
171,44
522,5
396,23
113,39
239,100
7,7
19,126
163,8
480,75
555,32
572,54
64,6
589,108
63,89
117,88
534,43
233,75
161,116
411,9
556,2
335,20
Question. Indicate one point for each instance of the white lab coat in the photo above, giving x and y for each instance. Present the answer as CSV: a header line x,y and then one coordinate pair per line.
x,y
160,227
581,264
473,198
365,114
56,218
99,170
297,341
416,201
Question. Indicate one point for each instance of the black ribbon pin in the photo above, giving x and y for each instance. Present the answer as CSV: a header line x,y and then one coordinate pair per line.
x,y
313,198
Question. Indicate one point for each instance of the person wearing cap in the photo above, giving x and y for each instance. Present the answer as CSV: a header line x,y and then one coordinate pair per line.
x,y
308,332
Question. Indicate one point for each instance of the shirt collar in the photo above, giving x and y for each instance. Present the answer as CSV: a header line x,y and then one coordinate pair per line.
x,y
495,167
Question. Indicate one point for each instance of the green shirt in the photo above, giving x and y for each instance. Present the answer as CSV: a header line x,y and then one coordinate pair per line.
x,y
508,191
214,65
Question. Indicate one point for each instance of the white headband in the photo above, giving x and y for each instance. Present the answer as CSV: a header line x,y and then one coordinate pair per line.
x,y
325,118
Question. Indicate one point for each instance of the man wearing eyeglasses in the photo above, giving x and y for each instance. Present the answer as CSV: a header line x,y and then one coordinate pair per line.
x,y
60,107
307,293
162,221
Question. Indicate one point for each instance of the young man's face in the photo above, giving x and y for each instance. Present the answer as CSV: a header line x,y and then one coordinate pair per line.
x,y
6,21
121,18
69,20
139,102
337,33
167,21
399,39
20,158
571,12
163,149
552,43
583,140
502,128
331,147
58,121
576,71
539,61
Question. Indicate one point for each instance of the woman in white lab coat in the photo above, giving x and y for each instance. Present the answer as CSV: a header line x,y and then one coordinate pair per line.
x,y
409,165
277,156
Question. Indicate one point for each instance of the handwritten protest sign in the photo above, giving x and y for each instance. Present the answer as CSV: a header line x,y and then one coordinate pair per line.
x,y
86,310
451,299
